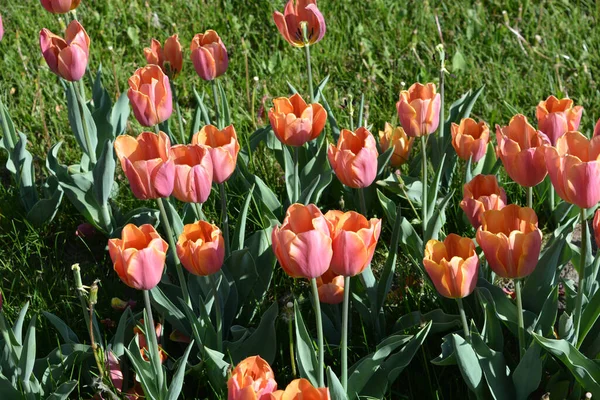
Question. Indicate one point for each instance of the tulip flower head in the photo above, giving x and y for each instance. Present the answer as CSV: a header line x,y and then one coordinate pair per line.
x,y
201,248
223,147
557,117
209,55
1,28
145,161
252,378
114,370
68,57
330,287
574,169
521,149
510,240
470,139
294,122
193,173
302,244
169,58
419,109
354,159
60,6
301,389
300,17
596,225
139,256
397,138
481,194
142,341
150,95
452,265
597,128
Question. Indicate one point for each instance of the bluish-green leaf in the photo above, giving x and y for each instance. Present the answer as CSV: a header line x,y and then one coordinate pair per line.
x,y
104,173
67,333
240,230
528,374
336,390
468,364
27,360
177,382
305,351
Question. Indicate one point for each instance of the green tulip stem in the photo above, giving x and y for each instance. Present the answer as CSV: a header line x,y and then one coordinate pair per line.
x,y
530,197
291,340
309,70
296,175
179,118
367,275
520,318
463,318
218,317
551,197
216,98
581,284
80,290
151,336
424,185
88,142
224,217
344,341
317,305
157,129
172,247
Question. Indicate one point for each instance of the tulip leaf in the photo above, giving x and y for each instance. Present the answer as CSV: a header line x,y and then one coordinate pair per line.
x,y
142,368
336,390
262,341
240,230
67,333
25,175
9,136
544,323
305,351
590,315
119,115
172,314
411,240
492,330
225,111
63,391
27,360
177,381
384,159
289,174
494,369
448,355
434,189
440,321
467,361
320,88
45,209
387,275
528,374
118,341
335,129
104,173
291,87
506,310
80,126
438,218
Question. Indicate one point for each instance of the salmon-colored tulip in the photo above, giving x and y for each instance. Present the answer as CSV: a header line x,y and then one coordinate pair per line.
x,y
302,244
68,57
557,117
596,225
330,287
223,146
1,28
301,389
114,370
251,379
60,6
452,265
354,160
481,194
294,122
470,139
193,173
354,241
209,55
158,330
290,23
145,161
139,256
521,149
150,95
574,169
397,138
419,109
169,58
597,128
201,248
510,240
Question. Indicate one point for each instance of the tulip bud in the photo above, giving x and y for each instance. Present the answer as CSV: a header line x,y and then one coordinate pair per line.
x,y
596,225
193,173
294,122
302,389
419,109
331,288
60,6
557,117
470,139
354,160
68,57
201,248
209,55
150,95
304,16
169,58
481,194
252,378
397,138
223,147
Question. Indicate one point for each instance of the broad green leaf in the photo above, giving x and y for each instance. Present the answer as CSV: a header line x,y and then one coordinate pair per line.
x,y
143,370
67,333
590,315
177,382
27,359
45,209
80,125
440,321
305,351
118,342
389,208
494,369
63,391
240,233
387,275
384,159
119,115
319,89
166,307
528,374
104,173
434,189
492,330
18,325
467,361
289,174
336,390
544,323
438,218
448,355
262,341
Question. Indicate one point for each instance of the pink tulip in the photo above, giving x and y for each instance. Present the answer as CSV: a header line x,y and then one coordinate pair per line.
x,y
150,95
223,146
330,287
68,57
294,16
354,160
193,173
419,109
1,28
209,55
481,194
60,6
557,117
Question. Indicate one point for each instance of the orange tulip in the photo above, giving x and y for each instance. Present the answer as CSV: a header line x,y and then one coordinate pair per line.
x,y
470,139
302,244
60,6
251,379
209,55
521,149
301,389
452,265
597,128
68,57
419,109
330,287
396,137
596,225
223,147
144,344
290,23
354,241
574,169
354,160
557,117
169,58
201,248
145,161
150,95
139,256
510,240
193,173
1,29
481,194
294,122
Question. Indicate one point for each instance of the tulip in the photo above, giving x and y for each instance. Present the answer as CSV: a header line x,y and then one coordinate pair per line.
x,y
179,337
193,173
481,194
302,244
145,161
452,265
301,389
419,109
470,139
331,287
510,240
354,239
223,147
521,149
574,169
68,57
120,305
596,225
150,95
354,160
251,379
304,13
158,329
114,370
294,122
209,55
201,248
139,256
597,128
557,117
1,28
397,138
60,6
169,58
